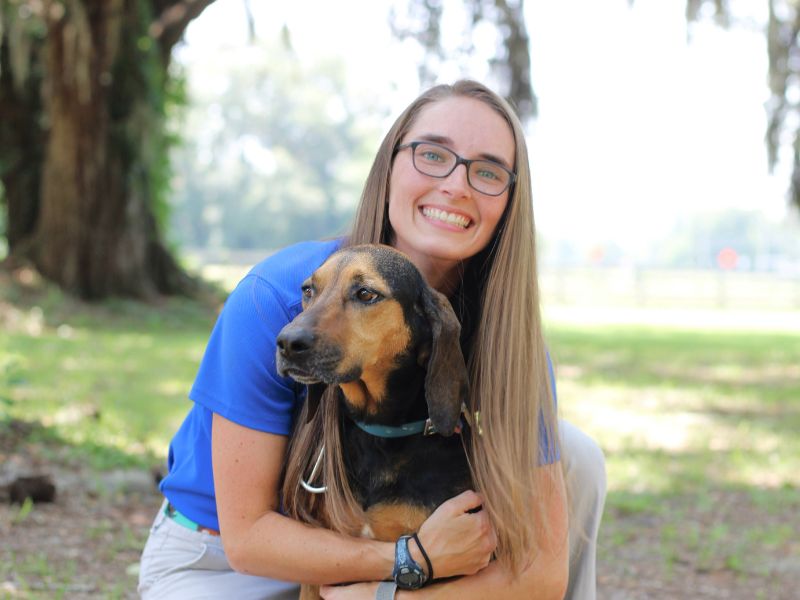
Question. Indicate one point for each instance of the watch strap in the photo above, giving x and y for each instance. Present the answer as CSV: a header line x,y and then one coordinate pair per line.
x,y
408,574
386,590
425,556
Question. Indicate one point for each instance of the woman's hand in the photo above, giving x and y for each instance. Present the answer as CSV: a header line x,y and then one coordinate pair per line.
x,y
356,591
457,541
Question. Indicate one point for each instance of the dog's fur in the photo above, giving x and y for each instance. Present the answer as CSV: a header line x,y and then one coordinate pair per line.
x,y
373,327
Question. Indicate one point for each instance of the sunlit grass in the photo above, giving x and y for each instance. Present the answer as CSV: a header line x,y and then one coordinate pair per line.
x,y
705,405
109,382
700,430
699,423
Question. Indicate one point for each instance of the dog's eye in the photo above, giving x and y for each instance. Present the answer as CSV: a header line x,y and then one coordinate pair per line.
x,y
308,291
366,295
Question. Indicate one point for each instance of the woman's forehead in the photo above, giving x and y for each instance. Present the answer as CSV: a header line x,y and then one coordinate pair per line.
x,y
467,125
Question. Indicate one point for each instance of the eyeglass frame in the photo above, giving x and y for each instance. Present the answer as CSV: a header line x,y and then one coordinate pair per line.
x,y
459,161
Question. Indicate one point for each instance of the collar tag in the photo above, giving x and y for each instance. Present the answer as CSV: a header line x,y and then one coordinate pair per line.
x,y
430,428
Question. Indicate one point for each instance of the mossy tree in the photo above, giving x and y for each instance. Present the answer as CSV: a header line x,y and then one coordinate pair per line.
x,y
783,51
510,66
83,147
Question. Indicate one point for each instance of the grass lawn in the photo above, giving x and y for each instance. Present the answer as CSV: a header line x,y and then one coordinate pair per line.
x,y
700,429
699,425
108,381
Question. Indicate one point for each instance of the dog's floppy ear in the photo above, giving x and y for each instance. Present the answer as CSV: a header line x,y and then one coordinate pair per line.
x,y
446,379
313,394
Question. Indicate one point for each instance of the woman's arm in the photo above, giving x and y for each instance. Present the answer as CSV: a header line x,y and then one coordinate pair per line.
x,y
260,541
545,578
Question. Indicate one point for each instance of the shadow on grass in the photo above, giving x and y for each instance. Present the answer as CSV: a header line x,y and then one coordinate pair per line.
x,y
107,382
51,447
702,357
745,531
686,471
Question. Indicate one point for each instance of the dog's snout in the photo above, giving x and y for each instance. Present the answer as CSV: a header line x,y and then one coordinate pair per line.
x,y
295,341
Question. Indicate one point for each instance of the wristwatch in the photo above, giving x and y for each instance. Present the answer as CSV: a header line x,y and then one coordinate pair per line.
x,y
407,573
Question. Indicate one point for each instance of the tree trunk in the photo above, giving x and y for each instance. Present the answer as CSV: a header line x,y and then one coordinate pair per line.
x,y
104,66
21,181
21,140
516,63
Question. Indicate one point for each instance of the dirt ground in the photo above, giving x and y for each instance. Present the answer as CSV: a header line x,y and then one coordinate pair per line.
x,y
86,544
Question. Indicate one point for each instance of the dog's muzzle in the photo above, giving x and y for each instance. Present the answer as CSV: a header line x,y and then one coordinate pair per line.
x,y
306,358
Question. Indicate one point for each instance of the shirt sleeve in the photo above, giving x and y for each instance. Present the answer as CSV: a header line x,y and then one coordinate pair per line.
x,y
549,448
237,378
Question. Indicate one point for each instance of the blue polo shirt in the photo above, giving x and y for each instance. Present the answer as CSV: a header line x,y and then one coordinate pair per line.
x,y
237,377
238,380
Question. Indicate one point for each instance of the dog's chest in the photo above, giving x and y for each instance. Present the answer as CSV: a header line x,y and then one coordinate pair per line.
x,y
399,482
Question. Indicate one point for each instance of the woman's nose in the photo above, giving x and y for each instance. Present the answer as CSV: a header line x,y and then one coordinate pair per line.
x,y
458,181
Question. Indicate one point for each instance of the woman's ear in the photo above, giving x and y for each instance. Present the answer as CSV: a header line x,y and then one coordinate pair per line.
x,y
446,380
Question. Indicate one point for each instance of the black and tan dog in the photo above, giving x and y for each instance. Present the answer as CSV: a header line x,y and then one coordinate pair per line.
x,y
373,327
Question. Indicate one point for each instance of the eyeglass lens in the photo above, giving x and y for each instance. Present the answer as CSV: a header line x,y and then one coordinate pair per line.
x,y
484,175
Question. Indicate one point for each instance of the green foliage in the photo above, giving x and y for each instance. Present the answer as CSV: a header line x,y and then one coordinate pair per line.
x,y
176,101
22,33
24,511
144,94
276,150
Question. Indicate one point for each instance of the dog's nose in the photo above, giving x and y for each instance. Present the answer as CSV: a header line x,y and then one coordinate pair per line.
x,y
295,341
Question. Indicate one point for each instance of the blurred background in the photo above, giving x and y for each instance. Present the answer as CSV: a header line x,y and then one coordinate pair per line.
x,y
152,151
647,131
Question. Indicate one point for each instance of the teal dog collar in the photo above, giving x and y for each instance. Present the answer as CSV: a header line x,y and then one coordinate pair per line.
x,y
425,427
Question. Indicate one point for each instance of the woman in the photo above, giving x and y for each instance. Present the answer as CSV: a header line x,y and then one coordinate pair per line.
x,y
470,232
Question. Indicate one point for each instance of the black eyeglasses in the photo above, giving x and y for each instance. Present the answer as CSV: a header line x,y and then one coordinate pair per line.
x,y
485,176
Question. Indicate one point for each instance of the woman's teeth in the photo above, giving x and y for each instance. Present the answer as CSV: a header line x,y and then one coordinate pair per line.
x,y
440,215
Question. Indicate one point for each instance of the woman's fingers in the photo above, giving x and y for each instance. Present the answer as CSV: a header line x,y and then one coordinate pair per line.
x,y
458,537
468,501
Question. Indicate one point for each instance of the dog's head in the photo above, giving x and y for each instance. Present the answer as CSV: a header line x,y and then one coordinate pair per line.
x,y
367,311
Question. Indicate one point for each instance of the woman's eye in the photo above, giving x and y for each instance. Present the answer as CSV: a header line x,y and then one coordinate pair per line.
x,y
432,156
487,174
366,296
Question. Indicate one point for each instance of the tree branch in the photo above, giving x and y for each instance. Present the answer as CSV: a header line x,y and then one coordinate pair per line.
x,y
171,20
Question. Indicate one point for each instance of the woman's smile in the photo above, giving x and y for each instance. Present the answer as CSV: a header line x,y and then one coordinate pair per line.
x,y
447,219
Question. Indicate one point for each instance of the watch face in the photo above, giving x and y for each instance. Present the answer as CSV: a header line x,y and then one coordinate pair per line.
x,y
407,574
409,578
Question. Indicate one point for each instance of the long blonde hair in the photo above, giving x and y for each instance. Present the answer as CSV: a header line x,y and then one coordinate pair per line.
x,y
498,303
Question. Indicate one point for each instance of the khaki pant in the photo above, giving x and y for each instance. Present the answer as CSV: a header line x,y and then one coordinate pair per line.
x,y
585,475
181,564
